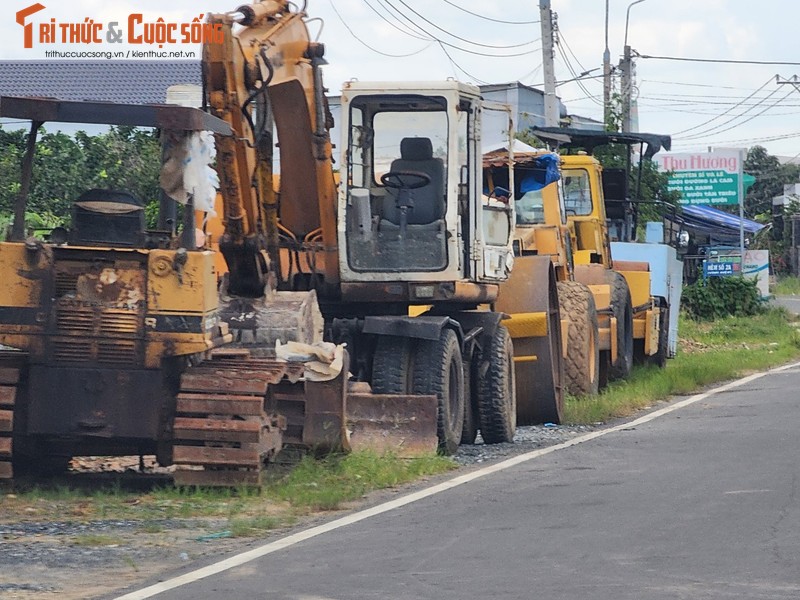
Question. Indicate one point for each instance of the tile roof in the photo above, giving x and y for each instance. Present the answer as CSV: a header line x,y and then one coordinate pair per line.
x,y
128,81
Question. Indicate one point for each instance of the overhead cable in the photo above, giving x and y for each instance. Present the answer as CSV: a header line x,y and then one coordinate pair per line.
x,y
366,45
726,112
469,12
453,35
716,60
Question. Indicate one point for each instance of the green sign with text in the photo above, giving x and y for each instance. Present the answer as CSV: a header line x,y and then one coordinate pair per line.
x,y
710,178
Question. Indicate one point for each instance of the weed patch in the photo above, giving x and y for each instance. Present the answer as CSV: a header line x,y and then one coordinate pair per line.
x,y
708,352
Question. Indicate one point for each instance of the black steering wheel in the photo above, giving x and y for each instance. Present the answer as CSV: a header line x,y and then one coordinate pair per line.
x,y
397,180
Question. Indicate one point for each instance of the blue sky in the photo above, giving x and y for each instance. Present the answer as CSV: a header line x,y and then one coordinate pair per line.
x,y
700,104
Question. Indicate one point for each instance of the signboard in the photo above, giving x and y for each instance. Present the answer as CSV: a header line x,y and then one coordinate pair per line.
x,y
722,266
710,178
756,266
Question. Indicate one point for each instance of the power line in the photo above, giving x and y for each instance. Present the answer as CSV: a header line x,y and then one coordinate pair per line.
x,y
724,113
703,134
453,4
716,60
366,45
453,35
393,24
448,44
706,85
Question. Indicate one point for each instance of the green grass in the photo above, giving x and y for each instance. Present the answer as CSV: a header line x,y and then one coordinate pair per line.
x,y
786,286
328,483
95,540
707,353
315,484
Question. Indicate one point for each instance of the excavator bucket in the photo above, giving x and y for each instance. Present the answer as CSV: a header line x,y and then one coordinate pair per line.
x,y
404,425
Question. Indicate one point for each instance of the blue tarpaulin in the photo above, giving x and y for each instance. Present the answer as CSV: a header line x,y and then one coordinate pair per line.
x,y
705,220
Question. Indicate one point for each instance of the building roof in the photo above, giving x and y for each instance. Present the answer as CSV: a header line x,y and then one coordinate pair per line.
x,y
128,81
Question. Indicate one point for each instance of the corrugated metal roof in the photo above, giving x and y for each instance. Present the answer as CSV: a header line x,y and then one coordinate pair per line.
x,y
128,81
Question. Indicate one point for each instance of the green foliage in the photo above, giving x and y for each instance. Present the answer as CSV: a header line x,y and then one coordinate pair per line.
x,y
770,176
786,286
708,352
719,297
124,158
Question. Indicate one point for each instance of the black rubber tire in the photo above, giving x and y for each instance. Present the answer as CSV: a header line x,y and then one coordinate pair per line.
x,y
469,431
497,396
623,310
582,366
438,371
392,365
659,359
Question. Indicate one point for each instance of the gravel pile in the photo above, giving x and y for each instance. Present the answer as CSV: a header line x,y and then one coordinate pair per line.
x,y
525,440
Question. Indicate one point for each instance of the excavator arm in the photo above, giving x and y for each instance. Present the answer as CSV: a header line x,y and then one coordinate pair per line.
x,y
267,73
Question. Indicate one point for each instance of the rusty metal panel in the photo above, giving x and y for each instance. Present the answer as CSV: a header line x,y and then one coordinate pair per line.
x,y
6,421
6,472
402,425
96,402
158,116
217,478
175,288
7,395
223,457
219,405
187,428
324,426
222,381
9,376
5,446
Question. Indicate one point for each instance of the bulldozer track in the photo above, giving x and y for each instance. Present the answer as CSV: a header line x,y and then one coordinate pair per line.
x,y
223,435
10,368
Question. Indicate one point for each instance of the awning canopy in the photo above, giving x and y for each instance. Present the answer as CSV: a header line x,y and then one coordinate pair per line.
x,y
720,226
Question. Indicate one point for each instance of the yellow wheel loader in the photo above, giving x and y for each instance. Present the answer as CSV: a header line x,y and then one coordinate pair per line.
x,y
636,284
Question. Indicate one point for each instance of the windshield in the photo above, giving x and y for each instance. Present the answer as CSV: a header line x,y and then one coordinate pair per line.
x,y
577,193
397,183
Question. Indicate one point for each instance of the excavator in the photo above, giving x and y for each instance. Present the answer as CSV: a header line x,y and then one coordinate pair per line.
x,y
121,340
407,232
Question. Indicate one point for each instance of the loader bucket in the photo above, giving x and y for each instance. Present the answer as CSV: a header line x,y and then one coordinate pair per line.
x,y
404,425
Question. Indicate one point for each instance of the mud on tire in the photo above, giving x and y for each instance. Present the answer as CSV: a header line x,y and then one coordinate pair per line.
x,y
582,365
438,371
391,365
497,396
623,310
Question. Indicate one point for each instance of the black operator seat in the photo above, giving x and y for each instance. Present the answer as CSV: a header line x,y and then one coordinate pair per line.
x,y
416,154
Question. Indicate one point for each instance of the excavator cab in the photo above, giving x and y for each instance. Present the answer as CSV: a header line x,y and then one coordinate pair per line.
x,y
410,207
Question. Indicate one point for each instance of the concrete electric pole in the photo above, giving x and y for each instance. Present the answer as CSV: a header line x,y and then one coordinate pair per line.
x,y
551,113
607,80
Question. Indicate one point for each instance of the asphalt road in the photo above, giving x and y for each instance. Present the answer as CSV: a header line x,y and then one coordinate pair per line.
x,y
701,502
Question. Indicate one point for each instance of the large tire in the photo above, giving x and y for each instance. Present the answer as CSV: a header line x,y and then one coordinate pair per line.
x,y
392,365
622,308
582,367
438,371
469,430
659,359
497,397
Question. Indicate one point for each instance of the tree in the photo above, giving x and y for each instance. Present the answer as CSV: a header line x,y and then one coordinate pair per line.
x,y
124,158
770,176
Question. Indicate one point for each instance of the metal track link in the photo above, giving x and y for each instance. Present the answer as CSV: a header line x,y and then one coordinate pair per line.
x,y
9,378
223,434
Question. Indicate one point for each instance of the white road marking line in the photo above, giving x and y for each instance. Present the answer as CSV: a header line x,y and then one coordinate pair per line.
x,y
291,540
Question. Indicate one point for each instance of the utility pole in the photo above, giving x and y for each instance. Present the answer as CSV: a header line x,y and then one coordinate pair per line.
x,y
607,80
627,87
551,113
